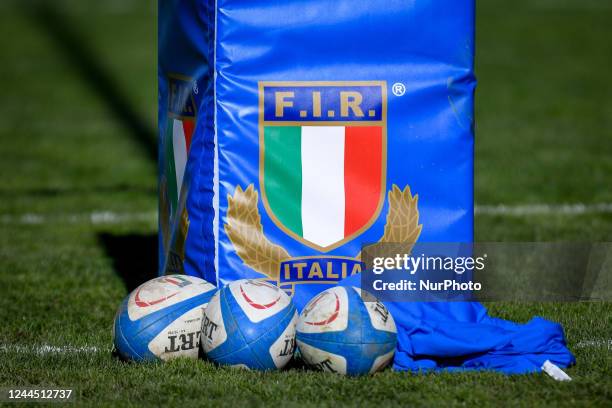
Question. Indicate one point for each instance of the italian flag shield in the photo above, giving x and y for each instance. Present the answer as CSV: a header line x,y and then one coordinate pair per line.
x,y
178,141
322,184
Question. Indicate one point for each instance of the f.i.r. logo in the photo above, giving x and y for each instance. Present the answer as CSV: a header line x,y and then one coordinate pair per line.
x,y
349,104
323,148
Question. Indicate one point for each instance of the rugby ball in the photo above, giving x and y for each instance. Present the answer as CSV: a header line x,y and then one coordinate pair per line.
x,y
161,319
249,324
340,332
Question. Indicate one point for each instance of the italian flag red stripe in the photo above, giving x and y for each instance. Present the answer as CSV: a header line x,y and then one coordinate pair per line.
x,y
178,142
188,126
362,175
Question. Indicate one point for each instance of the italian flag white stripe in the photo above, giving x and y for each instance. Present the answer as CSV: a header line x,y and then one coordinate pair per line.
x,y
180,153
323,184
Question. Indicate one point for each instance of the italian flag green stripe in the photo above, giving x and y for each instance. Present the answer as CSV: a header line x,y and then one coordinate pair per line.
x,y
170,168
283,173
177,142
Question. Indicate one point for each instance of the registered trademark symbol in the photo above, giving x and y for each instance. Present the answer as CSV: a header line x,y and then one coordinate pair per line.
x,y
398,89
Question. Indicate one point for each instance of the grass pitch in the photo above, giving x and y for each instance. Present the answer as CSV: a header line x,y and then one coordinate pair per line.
x,y
77,105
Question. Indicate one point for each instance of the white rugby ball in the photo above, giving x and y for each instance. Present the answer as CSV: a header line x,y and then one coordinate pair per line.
x,y
161,319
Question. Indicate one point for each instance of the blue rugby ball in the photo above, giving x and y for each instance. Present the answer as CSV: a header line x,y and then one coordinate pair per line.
x,y
161,319
250,324
340,332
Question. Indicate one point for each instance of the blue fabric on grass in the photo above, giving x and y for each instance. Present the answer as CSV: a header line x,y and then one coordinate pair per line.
x,y
460,336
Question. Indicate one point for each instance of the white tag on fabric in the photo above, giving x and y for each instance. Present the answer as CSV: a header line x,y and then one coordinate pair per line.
x,y
555,372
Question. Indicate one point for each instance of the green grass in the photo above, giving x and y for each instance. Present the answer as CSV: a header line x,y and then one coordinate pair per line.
x,y
544,135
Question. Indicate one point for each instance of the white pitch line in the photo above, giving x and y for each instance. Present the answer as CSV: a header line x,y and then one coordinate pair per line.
x,y
95,217
579,5
112,217
543,209
595,344
44,349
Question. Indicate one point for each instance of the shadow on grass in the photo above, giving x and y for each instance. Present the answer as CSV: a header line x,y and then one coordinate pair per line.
x,y
134,256
68,39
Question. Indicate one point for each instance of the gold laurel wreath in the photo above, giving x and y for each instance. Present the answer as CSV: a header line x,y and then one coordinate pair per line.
x,y
245,231
402,228
164,212
182,234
